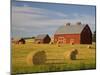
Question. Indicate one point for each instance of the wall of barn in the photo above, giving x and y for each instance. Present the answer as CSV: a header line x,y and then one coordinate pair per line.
x,y
47,39
86,36
38,41
67,38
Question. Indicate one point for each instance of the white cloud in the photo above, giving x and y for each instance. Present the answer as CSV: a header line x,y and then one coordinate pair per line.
x,y
31,19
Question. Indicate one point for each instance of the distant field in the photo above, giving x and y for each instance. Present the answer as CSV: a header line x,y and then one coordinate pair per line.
x,y
57,58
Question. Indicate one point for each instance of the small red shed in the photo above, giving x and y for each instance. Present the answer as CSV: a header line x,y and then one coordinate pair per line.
x,y
73,34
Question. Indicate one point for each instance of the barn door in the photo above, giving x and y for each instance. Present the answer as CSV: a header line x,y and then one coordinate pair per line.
x,y
61,40
72,41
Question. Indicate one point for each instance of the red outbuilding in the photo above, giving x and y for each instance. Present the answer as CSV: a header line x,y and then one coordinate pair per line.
x,y
73,34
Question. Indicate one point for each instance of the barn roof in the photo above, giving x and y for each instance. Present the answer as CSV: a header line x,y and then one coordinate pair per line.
x,y
41,36
70,29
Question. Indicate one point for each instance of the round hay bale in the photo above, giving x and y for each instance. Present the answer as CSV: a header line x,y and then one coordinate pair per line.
x,y
72,43
29,58
36,58
58,45
39,58
88,46
51,43
71,55
21,41
67,55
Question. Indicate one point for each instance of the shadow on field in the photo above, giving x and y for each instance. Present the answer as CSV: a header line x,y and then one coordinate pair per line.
x,y
59,61
55,61
80,59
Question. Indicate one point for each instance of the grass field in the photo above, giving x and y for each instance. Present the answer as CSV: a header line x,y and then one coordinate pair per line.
x,y
57,58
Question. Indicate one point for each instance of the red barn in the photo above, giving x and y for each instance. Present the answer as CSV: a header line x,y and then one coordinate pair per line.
x,y
73,34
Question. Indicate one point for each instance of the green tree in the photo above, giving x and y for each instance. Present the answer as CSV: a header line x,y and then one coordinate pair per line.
x,y
94,36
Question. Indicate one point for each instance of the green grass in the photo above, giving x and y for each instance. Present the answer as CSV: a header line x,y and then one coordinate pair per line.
x,y
56,58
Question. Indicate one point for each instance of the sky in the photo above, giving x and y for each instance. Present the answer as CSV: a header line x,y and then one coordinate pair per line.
x,y
33,18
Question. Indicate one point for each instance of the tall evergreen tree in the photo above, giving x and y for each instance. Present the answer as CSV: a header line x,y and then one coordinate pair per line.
x,y
94,36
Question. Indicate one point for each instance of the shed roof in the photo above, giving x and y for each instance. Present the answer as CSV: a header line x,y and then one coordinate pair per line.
x,y
41,36
70,29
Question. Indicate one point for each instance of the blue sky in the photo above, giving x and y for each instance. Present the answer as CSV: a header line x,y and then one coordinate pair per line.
x,y
33,18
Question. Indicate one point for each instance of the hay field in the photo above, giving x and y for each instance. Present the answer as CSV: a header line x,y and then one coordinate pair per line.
x,y
57,58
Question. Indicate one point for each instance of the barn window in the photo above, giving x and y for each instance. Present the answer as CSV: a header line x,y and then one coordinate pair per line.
x,y
61,38
55,39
